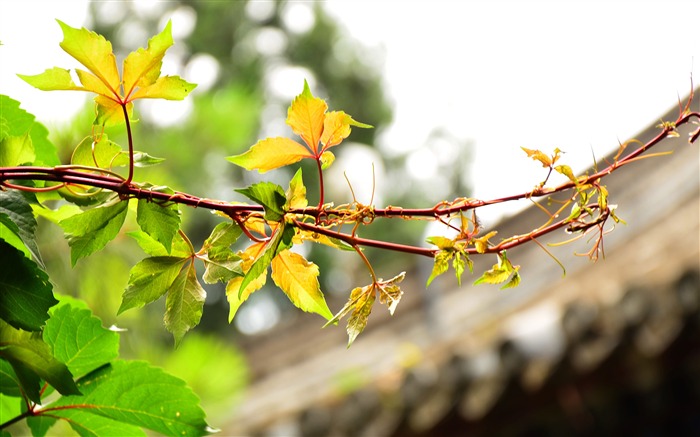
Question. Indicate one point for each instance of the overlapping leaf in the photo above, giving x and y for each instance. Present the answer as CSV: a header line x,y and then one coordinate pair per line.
x,y
298,278
503,271
93,229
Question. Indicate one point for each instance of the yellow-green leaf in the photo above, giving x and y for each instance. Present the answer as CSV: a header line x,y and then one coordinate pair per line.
x,y
52,79
362,309
142,67
94,52
296,194
306,117
336,127
440,265
327,158
271,153
111,113
166,87
298,278
482,243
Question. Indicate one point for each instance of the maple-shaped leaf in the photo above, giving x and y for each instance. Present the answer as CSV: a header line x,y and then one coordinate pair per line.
x,y
115,95
298,278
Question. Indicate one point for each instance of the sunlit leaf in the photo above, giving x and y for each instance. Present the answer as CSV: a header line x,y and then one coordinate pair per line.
x,y
537,155
142,67
52,79
271,153
95,53
566,171
15,121
296,193
441,242
501,272
361,311
390,293
306,117
298,278
16,150
482,243
440,265
102,153
336,127
166,87
281,240
93,229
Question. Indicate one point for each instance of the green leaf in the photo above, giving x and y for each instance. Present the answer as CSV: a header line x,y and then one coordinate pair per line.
x,y
501,272
17,218
103,153
78,339
15,121
9,382
281,240
143,159
25,291
10,407
30,356
87,424
150,279
440,264
160,220
180,248
184,303
40,425
16,150
271,196
298,278
136,393
93,229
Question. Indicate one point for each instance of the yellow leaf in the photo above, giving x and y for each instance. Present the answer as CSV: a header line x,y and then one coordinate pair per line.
x,y
142,67
94,52
306,116
296,194
482,243
93,83
52,79
538,156
336,127
298,278
232,292
271,153
166,87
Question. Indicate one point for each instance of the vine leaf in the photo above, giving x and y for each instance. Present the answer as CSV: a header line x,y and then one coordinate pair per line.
x,y
336,127
501,272
220,263
78,339
161,220
26,291
281,240
16,150
235,293
140,73
298,278
271,153
17,122
440,264
100,152
184,303
308,118
31,360
149,279
93,229
180,248
296,194
138,394
18,225
271,196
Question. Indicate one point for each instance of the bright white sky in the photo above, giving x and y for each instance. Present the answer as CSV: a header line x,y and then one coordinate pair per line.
x,y
575,75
